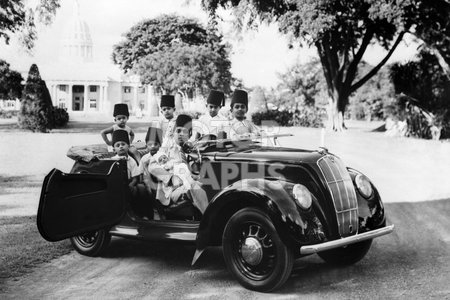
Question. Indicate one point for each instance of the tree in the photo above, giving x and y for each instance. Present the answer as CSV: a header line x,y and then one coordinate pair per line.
x,y
423,80
433,27
371,100
10,82
424,86
15,18
302,83
36,110
175,54
340,30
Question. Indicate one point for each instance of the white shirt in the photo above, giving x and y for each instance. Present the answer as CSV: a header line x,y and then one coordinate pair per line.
x,y
132,167
242,129
167,126
212,125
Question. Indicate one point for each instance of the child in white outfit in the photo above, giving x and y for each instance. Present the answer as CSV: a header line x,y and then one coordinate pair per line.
x,y
180,169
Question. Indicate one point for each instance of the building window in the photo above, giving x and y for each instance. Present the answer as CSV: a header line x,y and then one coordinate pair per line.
x,y
93,88
92,103
62,103
62,88
142,90
127,89
78,89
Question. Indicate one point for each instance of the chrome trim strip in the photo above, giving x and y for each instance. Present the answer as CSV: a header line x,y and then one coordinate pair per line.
x,y
342,192
310,249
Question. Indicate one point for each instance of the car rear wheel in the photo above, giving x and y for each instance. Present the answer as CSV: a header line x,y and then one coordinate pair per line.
x,y
254,252
347,255
91,243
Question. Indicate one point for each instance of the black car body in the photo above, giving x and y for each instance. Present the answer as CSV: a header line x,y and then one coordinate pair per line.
x,y
267,207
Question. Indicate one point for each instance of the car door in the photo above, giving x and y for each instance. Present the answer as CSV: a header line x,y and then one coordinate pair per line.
x,y
72,204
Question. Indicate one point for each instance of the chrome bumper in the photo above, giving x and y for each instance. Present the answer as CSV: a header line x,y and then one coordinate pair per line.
x,y
310,249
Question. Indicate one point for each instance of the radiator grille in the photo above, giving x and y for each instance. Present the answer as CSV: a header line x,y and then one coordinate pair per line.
x,y
342,192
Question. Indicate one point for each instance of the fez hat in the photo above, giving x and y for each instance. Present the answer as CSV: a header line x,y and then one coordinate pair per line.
x,y
184,120
167,100
216,98
121,109
154,134
120,135
239,96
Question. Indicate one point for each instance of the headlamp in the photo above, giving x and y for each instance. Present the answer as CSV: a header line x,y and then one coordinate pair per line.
x,y
363,185
302,196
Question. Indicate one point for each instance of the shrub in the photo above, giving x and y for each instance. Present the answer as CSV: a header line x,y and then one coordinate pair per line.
x,y
36,109
307,116
8,114
310,116
60,116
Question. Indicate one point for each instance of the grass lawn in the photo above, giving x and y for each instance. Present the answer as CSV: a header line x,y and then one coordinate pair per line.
x,y
22,247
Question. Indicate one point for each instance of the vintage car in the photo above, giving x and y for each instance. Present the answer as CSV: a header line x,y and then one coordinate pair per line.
x,y
268,205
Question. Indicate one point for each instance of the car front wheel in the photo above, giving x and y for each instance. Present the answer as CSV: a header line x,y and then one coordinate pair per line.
x,y
91,243
254,252
347,255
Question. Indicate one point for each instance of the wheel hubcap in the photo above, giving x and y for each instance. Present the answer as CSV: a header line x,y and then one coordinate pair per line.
x,y
252,251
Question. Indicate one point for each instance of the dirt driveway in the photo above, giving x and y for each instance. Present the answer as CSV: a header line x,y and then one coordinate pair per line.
x,y
413,262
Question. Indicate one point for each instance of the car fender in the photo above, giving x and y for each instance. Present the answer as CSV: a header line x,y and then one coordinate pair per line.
x,y
271,195
371,210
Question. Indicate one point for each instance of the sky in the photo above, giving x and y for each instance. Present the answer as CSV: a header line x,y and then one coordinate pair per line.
x,y
257,58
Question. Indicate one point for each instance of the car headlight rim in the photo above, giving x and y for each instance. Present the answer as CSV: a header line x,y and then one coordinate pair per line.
x,y
302,196
364,186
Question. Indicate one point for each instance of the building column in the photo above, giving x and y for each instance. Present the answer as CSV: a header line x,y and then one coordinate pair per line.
x,y
135,99
106,106
100,98
55,94
86,98
70,100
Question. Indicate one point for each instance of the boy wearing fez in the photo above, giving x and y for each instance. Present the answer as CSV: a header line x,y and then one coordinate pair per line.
x,y
121,116
172,147
213,122
240,127
121,145
153,139
166,120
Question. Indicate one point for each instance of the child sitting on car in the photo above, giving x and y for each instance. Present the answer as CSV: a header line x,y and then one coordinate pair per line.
x,y
177,168
121,116
121,145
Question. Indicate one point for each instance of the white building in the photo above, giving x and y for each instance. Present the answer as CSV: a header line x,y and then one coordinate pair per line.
x,y
86,88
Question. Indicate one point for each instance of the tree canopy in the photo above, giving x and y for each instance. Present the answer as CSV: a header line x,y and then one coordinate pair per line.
x,y
340,30
10,82
175,53
15,18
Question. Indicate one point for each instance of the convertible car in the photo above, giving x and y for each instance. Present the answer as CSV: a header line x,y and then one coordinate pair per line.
x,y
268,205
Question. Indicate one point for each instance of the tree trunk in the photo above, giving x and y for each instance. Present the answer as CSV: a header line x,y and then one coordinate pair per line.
x,y
337,111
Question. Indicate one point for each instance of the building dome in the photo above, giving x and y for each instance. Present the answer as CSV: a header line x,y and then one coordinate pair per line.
x,y
76,41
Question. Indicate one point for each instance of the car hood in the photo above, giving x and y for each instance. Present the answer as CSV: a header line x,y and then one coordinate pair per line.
x,y
271,154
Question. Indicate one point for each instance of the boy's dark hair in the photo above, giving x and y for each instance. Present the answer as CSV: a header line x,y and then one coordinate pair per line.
x,y
184,120
120,136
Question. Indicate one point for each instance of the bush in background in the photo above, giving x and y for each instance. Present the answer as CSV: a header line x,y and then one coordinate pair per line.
x,y
307,116
60,116
36,109
8,114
